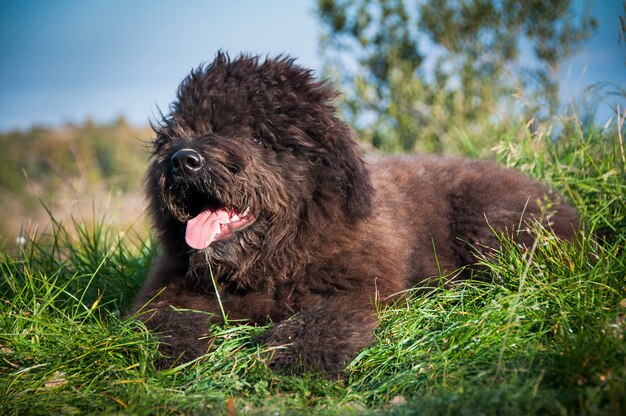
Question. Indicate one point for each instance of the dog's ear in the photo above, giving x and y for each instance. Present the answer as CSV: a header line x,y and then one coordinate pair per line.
x,y
305,121
354,176
344,160
338,176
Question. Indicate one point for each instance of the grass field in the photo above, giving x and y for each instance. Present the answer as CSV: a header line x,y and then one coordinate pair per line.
x,y
545,337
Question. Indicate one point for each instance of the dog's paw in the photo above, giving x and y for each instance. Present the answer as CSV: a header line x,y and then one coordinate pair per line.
x,y
171,354
296,348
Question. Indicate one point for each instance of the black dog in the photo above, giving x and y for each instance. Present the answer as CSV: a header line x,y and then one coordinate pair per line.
x,y
257,186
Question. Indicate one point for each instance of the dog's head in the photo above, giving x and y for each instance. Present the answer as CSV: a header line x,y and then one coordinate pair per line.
x,y
252,156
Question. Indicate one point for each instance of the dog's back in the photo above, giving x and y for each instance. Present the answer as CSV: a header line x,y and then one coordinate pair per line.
x,y
453,208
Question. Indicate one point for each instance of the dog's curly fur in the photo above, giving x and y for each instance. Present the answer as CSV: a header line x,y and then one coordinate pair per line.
x,y
332,233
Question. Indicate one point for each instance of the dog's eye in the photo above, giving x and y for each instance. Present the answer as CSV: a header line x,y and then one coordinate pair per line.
x,y
258,141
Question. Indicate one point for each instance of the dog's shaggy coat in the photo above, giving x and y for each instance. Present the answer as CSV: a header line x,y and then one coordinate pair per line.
x,y
258,187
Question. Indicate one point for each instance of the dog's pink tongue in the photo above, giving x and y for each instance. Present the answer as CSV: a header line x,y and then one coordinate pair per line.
x,y
203,229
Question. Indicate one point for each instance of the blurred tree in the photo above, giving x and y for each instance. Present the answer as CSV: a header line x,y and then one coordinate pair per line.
x,y
432,74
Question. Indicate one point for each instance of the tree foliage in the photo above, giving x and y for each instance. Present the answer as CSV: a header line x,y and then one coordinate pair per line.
x,y
420,74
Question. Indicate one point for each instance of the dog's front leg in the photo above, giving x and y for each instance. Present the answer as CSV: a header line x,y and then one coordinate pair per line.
x,y
323,337
180,320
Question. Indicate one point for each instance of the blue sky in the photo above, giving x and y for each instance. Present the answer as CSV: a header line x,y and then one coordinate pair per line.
x,y
64,60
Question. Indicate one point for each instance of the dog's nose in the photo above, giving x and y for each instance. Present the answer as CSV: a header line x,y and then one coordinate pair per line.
x,y
186,161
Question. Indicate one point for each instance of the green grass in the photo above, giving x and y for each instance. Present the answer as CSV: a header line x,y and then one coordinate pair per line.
x,y
546,336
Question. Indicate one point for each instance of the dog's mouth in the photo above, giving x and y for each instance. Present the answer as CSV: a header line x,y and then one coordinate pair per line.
x,y
214,224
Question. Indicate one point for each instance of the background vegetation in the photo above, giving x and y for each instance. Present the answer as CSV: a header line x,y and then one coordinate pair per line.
x,y
545,336
76,170
419,75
